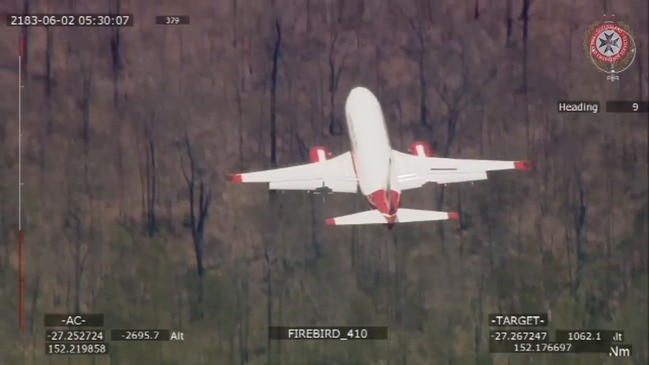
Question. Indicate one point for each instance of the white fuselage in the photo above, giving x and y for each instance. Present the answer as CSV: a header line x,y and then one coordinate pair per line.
x,y
371,150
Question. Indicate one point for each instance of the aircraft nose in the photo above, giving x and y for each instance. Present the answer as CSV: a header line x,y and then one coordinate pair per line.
x,y
360,98
359,90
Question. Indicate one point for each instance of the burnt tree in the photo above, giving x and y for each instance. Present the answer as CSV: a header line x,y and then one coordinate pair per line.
x,y
509,22
200,197
525,17
73,230
458,100
48,67
277,45
419,29
579,222
149,180
115,56
83,103
335,128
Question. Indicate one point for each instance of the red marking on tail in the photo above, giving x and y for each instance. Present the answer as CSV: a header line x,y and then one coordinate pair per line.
x,y
522,165
21,280
386,202
453,215
235,178
331,221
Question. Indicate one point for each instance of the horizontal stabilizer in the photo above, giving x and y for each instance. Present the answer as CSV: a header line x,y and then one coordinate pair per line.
x,y
367,217
403,216
417,215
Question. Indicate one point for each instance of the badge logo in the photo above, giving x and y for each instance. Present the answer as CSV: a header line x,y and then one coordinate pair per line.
x,y
610,46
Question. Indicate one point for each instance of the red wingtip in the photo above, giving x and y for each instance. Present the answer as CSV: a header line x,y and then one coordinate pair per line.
x,y
522,165
331,221
235,178
453,215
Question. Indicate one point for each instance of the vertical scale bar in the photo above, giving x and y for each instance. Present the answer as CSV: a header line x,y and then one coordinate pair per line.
x,y
21,235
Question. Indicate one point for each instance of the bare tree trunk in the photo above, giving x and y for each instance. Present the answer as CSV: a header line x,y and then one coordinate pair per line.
x,y
308,16
509,21
179,302
84,105
579,224
569,259
246,324
78,249
269,295
270,255
273,93
150,180
240,120
611,198
200,197
49,123
334,77
525,16
73,224
416,23
116,64
397,306
25,34
36,290
574,25
640,64
421,68
451,129
478,313
48,67
242,312
281,285
235,23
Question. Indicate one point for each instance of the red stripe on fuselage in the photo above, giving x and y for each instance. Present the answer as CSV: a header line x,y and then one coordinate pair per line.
x,y
386,202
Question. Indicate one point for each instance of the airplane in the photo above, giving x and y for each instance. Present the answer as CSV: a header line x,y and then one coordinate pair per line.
x,y
380,172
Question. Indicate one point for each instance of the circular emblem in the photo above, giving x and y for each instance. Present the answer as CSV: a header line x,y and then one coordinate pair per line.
x,y
609,43
610,46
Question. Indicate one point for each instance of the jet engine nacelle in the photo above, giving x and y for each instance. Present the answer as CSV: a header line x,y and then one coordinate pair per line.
x,y
421,149
319,154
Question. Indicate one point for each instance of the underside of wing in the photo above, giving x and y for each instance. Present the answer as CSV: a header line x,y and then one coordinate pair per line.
x,y
411,181
334,175
414,171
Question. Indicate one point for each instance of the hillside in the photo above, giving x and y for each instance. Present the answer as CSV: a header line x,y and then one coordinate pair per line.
x,y
128,135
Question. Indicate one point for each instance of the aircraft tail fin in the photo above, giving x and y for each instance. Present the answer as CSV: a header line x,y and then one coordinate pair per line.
x,y
403,216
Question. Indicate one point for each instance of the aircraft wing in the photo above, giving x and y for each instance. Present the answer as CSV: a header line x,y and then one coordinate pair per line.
x,y
415,171
333,175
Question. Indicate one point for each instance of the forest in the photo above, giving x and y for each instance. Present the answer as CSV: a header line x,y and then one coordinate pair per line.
x,y
128,135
